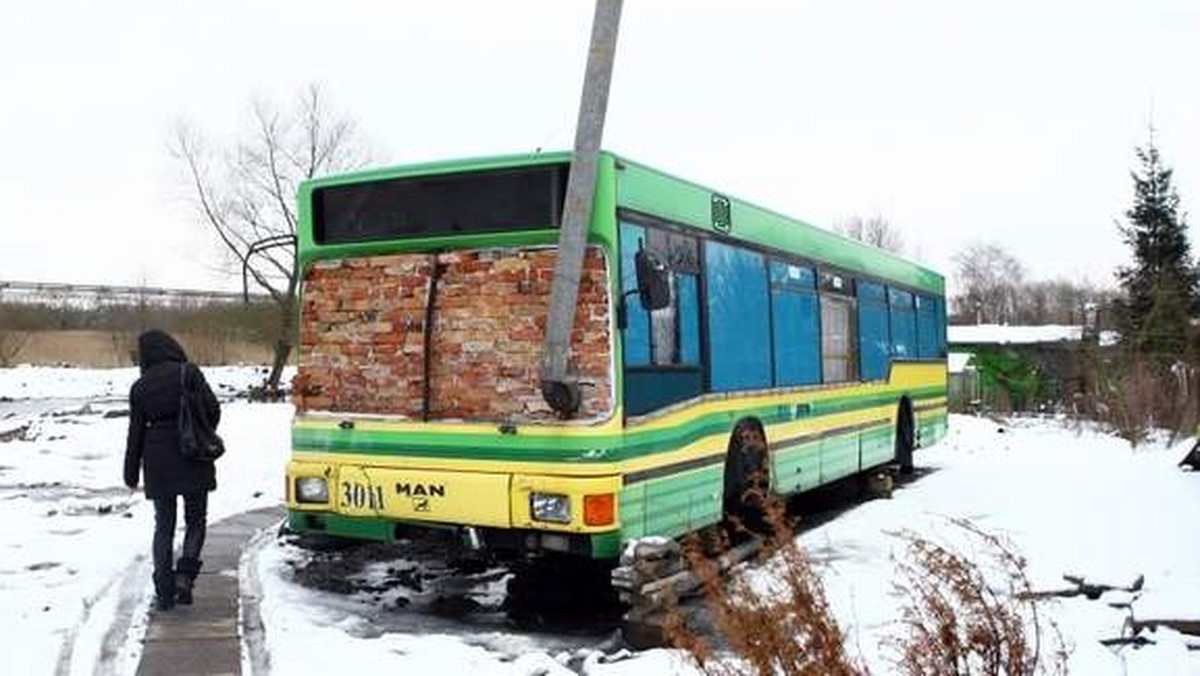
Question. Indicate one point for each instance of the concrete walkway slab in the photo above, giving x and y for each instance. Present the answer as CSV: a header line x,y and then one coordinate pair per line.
x,y
204,639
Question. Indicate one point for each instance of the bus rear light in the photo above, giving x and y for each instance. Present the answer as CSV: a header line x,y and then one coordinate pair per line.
x,y
599,510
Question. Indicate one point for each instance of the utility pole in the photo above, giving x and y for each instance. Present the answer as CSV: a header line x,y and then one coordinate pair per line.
x,y
559,389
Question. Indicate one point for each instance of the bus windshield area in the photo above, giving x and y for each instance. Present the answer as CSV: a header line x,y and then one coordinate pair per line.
x,y
454,335
496,200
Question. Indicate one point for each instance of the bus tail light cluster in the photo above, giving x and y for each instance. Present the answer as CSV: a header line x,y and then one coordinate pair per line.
x,y
599,510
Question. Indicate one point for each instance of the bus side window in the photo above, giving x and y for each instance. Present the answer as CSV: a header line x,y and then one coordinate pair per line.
x,y
661,348
928,340
941,326
795,324
636,335
874,337
675,329
903,324
838,339
739,318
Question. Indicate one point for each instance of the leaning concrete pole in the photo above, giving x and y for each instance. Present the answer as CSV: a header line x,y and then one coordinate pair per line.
x,y
560,391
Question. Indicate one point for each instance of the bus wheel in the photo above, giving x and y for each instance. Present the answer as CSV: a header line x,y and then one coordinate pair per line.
x,y
905,436
747,478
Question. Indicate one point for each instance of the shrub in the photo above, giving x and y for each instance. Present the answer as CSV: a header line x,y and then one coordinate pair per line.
x,y
954,621
1135,396
778,626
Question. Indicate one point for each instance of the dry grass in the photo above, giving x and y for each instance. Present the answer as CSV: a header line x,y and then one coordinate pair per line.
x,y
12,343
102,349
785,629
1136,398
954,621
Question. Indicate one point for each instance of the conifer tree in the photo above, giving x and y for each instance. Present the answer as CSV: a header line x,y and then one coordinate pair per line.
x,y
1160,288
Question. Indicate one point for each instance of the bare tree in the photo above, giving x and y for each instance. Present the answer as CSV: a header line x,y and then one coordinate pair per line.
x,y
247,193
876,231
1058,301
989,280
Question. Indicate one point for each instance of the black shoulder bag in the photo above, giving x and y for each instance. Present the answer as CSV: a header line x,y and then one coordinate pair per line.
x,y
197,438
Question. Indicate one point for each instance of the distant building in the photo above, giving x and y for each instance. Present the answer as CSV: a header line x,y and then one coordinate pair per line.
x,y
1019,367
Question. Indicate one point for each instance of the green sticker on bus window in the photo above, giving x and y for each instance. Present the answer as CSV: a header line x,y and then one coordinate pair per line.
x,y
722,218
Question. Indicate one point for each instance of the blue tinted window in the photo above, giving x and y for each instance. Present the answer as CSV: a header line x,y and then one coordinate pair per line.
x,y
687,290
941,326
903,324
636,335
928,341
874,335
795,324
738,318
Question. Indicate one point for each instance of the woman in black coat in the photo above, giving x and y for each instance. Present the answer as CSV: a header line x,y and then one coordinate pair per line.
x,y
153,445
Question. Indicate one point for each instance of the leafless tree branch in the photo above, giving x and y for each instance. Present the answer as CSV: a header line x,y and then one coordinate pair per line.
x,y
253,198
876,231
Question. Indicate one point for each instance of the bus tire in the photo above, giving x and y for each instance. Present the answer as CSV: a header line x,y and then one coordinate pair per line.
x,y
906,439
747,476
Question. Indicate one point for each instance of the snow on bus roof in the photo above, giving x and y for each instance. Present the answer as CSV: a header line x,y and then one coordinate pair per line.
x,y
997,334
958,362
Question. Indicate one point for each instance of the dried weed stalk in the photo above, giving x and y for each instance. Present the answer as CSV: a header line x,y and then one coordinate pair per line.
x,y
785,628
953,621
1136,397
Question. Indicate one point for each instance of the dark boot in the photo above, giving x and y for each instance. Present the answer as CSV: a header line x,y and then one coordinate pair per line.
x,y
185,578
164,591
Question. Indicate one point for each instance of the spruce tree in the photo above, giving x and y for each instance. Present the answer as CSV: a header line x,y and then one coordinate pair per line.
x,y
1160,288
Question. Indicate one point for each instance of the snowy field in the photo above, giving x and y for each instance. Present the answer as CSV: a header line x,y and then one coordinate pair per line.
x,y
71,528
1072,500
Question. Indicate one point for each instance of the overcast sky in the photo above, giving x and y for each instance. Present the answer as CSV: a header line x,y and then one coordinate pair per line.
x,y
1009,121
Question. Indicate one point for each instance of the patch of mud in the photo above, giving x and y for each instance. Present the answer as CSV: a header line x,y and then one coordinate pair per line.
x,y
421,584
17,434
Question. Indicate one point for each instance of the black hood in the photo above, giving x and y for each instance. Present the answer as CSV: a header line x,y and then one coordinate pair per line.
x,y
156,346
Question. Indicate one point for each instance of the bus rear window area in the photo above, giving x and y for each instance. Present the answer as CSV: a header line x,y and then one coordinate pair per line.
x,y
364,347
527,198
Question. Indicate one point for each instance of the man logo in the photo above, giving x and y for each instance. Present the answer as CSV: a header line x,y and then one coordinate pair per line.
x,y
415,490
420,504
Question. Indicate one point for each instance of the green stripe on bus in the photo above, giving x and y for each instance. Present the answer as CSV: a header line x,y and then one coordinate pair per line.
x,y
598,449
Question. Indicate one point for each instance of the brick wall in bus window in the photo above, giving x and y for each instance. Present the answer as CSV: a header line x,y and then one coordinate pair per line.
x,y
362,335
739,336
873,335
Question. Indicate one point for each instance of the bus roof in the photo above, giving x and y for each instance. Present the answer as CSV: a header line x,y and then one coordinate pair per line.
x,y
659,194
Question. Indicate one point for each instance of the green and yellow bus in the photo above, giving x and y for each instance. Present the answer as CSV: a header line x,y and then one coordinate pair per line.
x,y
423,307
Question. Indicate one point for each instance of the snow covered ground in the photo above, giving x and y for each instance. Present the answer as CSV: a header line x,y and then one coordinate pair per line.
x,y
1072,500
70,527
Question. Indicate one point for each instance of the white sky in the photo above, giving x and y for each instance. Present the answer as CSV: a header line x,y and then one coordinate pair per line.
x,y
1012,121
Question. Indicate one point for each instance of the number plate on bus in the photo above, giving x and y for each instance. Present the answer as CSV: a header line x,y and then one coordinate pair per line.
x,y
473,498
